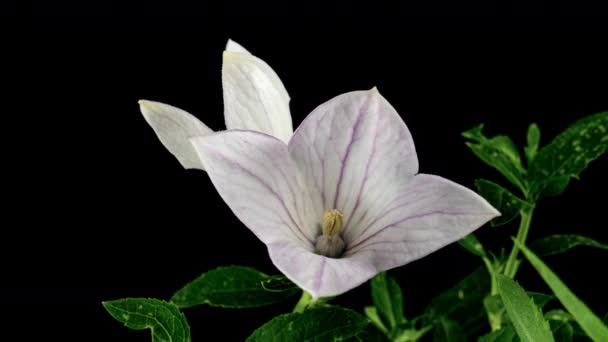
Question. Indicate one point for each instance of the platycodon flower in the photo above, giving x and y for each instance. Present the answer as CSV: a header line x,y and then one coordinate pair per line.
x,y
337,201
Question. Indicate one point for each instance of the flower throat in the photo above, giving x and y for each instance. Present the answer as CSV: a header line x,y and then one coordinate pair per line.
x,y
330,243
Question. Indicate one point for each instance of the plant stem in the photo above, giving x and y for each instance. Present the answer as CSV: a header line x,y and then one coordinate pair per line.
x,y
490,267
522,234
304,303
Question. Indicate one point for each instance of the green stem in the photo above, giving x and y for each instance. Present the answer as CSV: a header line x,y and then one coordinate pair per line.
x,y
304,303
522,234
494,286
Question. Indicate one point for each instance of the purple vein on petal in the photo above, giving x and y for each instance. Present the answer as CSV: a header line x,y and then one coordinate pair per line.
x,y
361,243
365,177
358,120
261,181
289,187
319,277
386,212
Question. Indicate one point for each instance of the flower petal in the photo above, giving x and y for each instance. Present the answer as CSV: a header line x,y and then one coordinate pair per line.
x,y
319,275
254,175
354,151
254,96
233,46
174,127
431,213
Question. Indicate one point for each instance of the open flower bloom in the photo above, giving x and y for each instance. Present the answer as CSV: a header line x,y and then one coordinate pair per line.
x,y
342,200
254,99
337,201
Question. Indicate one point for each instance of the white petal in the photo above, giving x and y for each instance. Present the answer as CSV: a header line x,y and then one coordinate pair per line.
x,y
431,213
355,151
233,46
320,276
254,96
256,178
174,128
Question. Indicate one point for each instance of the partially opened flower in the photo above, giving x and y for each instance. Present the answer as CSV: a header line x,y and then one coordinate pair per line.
x,y
342,200
254,99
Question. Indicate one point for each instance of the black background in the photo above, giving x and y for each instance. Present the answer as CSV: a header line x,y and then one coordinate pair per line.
x,y
100,210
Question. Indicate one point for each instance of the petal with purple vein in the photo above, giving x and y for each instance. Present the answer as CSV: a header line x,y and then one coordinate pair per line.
x,y
254,175
355,152
432,213
319,275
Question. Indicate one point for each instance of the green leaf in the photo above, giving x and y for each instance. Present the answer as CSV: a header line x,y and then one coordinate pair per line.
x,y
533,140
562,325
540,299
278,283
568,154
495,308
462,303
526,317
372,313
410,333
472,244
370,334
502,199
500,153
318,324
505,334
446,330
388,299
560,243
559,315
562,331
234,287
589,322
165,320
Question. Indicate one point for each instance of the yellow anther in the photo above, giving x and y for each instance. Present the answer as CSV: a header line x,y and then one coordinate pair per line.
x,y
332,222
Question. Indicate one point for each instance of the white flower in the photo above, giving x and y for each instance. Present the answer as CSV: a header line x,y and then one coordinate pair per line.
x,y
336,203
254,99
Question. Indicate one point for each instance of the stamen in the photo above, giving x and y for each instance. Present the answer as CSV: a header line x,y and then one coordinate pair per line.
x,y
332,222
330,243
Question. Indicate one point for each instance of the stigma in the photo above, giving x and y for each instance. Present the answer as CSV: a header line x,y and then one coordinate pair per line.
x,y
330,243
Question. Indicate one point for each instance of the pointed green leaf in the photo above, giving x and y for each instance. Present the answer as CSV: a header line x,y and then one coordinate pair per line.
x,y
551,186
388,299
318,324
526,317
568,154
278,283
540,299
472,244
372,313
234,287
505,334
533,140
560,243
498,152
497,315
446,330
502,199
165,320
562,325
589,322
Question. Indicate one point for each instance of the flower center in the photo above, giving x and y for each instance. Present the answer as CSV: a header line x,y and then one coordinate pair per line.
x,y
330,243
